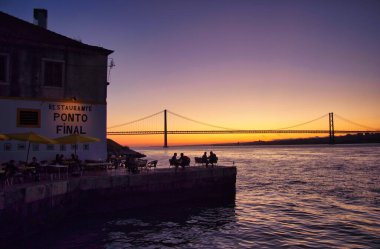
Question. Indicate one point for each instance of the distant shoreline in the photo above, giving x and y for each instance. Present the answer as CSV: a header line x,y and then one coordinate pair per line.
x,y
372,138
362,138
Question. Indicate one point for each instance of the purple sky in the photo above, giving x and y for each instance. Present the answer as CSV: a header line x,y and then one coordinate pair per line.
x,y
240,64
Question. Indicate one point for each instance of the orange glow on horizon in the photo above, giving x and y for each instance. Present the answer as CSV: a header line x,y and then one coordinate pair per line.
x,y
206,139
203,139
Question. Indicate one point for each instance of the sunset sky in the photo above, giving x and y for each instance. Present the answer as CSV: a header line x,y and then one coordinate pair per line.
x,y
242,64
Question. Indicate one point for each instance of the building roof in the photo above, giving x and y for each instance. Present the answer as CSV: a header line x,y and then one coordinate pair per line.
x,y
14,29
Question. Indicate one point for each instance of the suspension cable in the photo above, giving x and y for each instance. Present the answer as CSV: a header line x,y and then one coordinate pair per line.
x,y
198,122
349,121
308,122
135,121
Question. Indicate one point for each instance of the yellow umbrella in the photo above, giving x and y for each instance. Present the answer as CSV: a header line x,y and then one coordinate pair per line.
x,y
3,137
76,139
30,137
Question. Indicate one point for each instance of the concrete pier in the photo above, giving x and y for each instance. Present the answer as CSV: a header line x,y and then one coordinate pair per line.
x,y
29,206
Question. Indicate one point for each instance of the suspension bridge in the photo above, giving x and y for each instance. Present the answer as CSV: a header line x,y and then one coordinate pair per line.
x,y
163,130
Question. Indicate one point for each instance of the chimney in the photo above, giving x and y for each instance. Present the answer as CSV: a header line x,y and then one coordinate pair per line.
x,y
40,17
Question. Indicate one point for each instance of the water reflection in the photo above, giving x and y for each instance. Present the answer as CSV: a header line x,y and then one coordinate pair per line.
x,y
168,227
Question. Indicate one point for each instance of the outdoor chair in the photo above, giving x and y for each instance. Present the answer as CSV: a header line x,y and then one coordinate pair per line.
x,y
213,161
198,161
175,164
185,161
142,164
152,164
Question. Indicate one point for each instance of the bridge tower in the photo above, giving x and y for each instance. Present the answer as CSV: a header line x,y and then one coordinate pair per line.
x,y
165,130
331,128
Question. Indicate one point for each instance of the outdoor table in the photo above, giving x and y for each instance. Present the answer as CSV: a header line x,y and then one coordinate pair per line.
x,y
59,167
42,168
27,169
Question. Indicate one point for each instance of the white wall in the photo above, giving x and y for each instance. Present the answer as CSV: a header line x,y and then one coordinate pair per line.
x,y
90,120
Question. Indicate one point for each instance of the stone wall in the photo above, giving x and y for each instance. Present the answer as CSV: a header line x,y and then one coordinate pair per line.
x,y
25,207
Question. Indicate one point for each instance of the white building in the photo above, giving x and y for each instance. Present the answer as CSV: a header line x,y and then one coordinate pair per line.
x,y
51,85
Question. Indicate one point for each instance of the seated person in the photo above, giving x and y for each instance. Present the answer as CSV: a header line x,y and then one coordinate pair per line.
x,y
11,171
36,172
113,160
131,165
10,168
34,163
75,165
184,160
174,161
205,159
213,158
58,159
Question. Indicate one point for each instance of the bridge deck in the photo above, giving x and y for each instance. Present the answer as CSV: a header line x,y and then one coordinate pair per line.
x,y
238,132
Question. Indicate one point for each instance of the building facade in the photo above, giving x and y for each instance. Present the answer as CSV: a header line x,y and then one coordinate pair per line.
x,y
51,85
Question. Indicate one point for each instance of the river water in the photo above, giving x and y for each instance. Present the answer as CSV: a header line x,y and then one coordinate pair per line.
x,y
286,196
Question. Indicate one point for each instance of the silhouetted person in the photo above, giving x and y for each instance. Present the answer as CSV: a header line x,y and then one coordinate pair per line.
x,y
10,167
59,159
34,162
75,165
36,172
212,158
205,159
174,161
10,171
184,160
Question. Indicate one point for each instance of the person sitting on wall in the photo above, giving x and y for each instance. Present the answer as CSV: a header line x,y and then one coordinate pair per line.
x,y
184,160
212,158
205,159
174,161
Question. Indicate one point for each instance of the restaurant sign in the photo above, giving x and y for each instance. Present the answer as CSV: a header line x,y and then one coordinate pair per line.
x,y
70,119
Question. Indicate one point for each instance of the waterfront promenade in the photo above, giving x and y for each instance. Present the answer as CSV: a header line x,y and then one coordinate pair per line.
x,y
29,205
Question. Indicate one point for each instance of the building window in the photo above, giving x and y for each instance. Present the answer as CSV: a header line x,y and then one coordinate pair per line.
x,y
21,146
53,72
4,68
30,118
74,147
50,147
63,147
35,147
7,146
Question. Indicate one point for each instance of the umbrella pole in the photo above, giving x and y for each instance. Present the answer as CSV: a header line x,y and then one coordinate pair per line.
x,y
27,154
